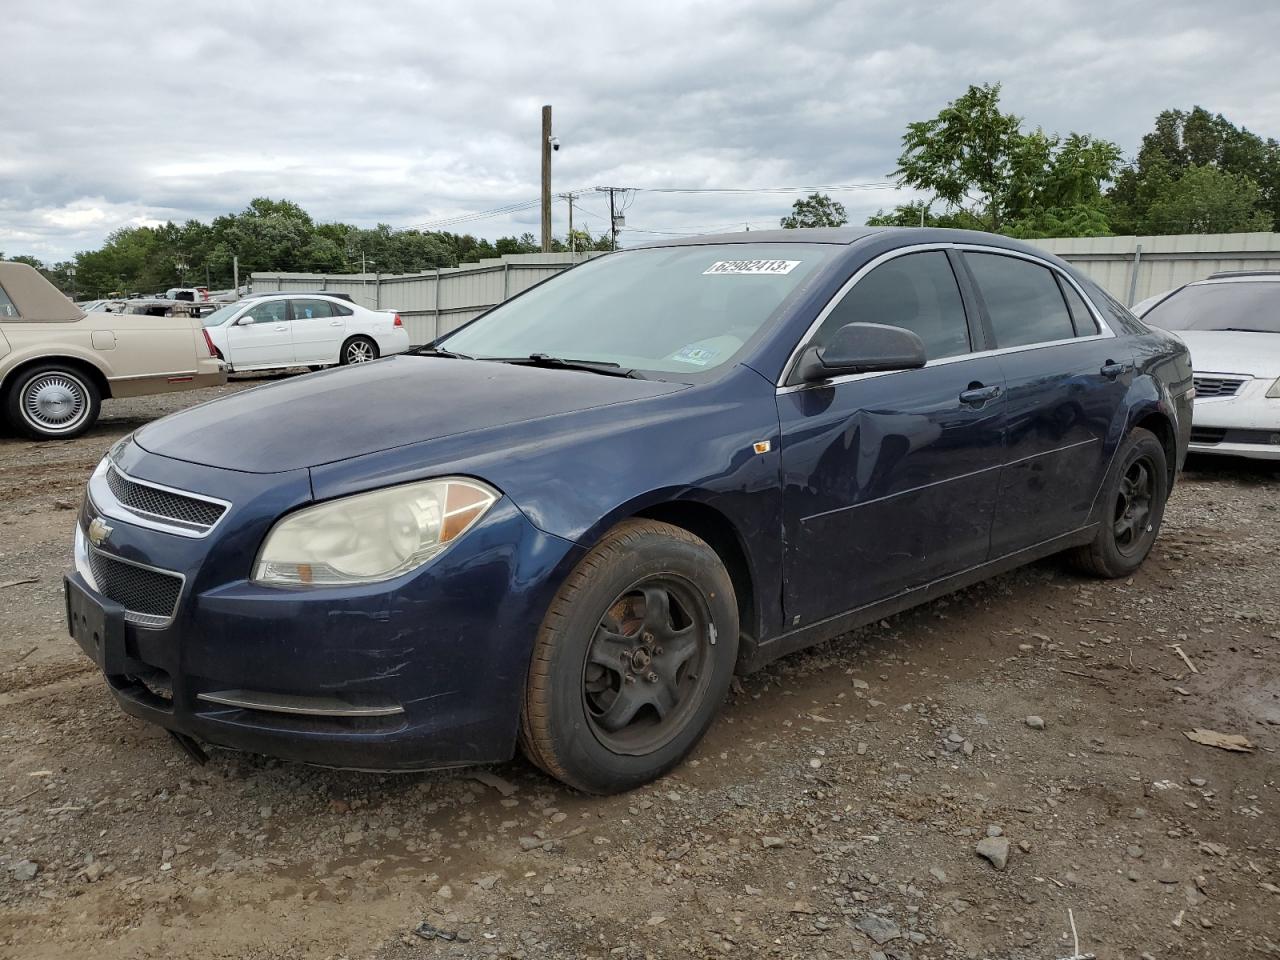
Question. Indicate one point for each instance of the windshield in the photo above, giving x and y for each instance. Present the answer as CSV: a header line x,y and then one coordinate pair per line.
x,y
222,315
679,310
1233,305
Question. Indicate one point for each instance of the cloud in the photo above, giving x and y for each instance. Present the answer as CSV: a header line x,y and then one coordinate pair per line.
x,y
404,113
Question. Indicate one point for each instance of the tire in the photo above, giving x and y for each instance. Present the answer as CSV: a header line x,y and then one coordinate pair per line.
x,y
608,622
52,401
1132,508
358,350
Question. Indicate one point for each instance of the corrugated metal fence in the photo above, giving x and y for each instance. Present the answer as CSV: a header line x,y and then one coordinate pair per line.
x,y
1134,268
437,301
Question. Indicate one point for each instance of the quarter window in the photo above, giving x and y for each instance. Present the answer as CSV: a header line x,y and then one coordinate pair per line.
x,y
340,311
311,309
917,291
1023,300
1081,318
7,309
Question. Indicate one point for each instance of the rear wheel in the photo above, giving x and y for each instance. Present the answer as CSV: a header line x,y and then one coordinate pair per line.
x,y
632,661
1133,507
359,350
52,402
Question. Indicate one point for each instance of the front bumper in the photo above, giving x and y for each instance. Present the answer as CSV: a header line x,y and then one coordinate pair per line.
x,y
422,671
1246,424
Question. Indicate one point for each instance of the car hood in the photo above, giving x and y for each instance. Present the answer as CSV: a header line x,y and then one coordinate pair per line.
x,y
352,411
1233,351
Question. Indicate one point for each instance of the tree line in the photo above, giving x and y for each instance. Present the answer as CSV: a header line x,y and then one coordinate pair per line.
x,y
1195,172
271,235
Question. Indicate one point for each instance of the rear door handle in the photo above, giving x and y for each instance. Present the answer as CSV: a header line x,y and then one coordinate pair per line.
x,y
977,394
1111,369
335,323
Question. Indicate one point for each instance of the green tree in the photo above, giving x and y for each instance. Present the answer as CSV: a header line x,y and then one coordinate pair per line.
x,y
815,210
990,175
1146,197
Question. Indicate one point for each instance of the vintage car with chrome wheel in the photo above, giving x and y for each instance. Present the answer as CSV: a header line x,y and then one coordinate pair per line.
x,y
565,526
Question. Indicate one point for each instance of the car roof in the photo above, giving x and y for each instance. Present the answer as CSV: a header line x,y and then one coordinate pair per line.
x,y
34,297
846,236
299,293
1238,276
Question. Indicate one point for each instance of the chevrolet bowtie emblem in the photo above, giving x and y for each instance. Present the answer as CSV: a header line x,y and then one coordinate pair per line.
x,y
98,531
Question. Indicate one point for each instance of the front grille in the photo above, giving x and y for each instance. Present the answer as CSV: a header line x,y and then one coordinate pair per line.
x,y
149,597
1209,387
1207,435
143,498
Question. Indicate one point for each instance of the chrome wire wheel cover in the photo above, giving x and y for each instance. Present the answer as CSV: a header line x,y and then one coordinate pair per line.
x,y
359,351
55,402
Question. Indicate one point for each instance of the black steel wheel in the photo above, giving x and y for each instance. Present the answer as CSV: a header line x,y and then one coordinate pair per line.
x,y
645,669
1130,509
632,660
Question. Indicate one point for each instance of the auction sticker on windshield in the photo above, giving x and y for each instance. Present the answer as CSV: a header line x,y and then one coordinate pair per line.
x,y
751,266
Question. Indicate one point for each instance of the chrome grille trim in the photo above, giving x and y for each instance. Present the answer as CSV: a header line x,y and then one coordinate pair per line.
x,y
1215,387
117,494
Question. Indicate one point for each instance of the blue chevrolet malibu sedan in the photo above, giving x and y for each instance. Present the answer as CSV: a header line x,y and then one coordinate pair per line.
x,y
566,525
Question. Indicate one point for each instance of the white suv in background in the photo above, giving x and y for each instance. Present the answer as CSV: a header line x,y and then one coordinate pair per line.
x,y
315,330
1231,324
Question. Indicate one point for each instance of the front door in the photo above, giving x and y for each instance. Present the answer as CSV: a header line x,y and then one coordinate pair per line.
x,y
889,480
261,337
1066,380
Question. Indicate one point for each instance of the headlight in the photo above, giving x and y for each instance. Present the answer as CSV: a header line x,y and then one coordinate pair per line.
x,y
1274,392
371,536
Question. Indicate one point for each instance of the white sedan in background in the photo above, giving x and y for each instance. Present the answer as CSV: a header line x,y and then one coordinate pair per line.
x,y
1231,324
302,330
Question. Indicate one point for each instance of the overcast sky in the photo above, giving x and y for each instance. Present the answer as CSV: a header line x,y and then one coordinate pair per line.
x,y
135,112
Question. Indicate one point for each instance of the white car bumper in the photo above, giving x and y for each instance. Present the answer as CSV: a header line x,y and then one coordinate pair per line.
x,y
1245,423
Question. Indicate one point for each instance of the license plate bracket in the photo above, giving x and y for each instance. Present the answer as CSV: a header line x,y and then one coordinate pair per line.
x,y
98,626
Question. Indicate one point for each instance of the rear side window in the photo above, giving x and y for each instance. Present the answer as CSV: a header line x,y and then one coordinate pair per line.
x,y
340,311
917,291
7,309
1023,300
311,309
1081,318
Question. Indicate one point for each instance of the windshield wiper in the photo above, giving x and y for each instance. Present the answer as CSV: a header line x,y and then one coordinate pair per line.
x,y
606,367
1247,330
430,351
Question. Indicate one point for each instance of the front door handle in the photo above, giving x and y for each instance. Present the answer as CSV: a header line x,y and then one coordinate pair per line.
x,y
1111,369
280,326
977,394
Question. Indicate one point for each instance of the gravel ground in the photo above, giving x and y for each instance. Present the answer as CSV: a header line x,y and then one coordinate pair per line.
x,y
840,808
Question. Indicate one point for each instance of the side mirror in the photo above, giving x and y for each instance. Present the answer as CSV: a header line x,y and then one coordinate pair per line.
x,y
863,348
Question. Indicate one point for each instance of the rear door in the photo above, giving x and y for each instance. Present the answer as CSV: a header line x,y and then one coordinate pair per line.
x,y
261,337
317,332
1066,376
889,480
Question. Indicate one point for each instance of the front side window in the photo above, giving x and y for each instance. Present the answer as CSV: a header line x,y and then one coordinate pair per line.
x,y
7,310
273,311
1023,301
917,291
311,309
681,310
1232,305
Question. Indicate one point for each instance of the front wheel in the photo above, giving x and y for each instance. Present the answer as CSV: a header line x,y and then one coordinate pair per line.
x,y
632,660
359,350
52,402
1133,501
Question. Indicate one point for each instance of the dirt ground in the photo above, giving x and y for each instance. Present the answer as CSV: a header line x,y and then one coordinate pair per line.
x,y
832,812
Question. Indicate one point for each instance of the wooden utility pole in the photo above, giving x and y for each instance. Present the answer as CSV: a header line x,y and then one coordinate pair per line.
x,y
546,179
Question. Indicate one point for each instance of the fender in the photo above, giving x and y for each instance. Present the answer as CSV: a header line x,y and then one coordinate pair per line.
x,y
64,351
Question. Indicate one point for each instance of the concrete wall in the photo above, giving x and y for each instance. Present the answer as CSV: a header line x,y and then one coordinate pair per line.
x,y
1163,263
436,301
